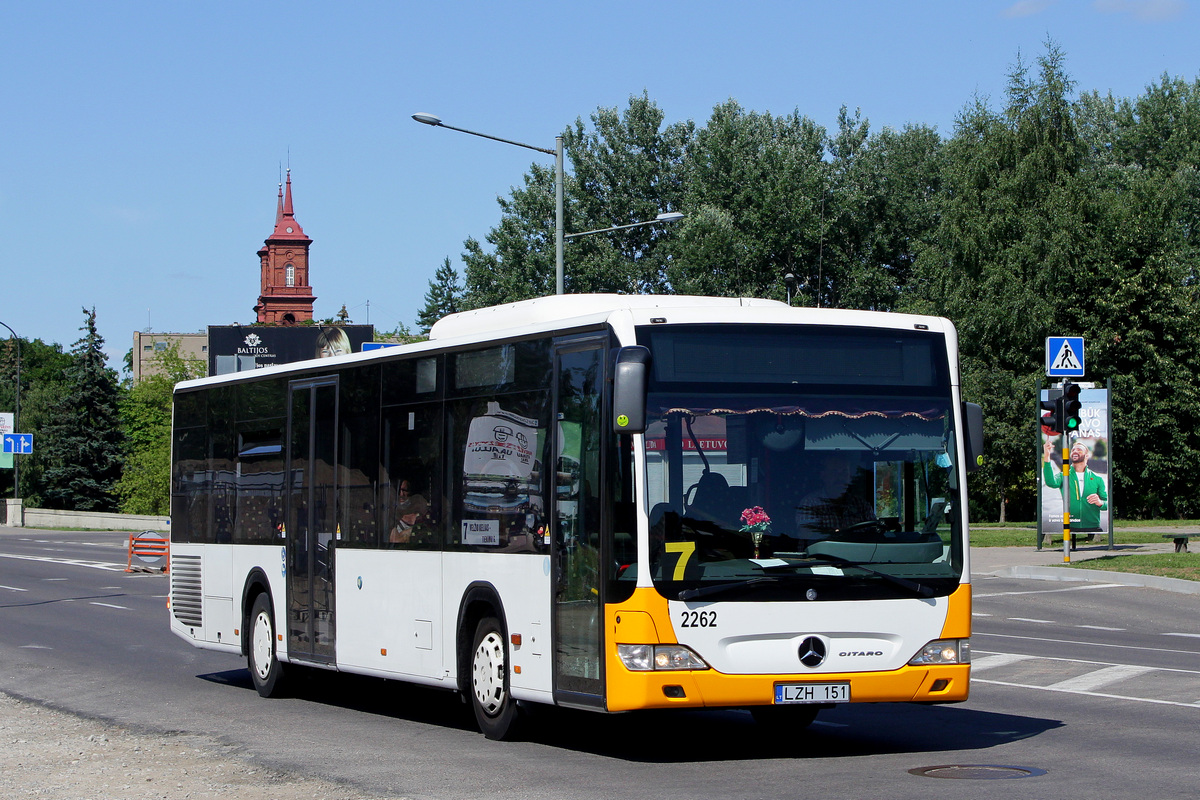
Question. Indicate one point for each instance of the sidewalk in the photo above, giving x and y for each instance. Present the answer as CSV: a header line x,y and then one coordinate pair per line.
x,y
1047,564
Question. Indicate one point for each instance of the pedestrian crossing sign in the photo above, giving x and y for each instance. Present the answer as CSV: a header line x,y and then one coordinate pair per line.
x,y
1064,356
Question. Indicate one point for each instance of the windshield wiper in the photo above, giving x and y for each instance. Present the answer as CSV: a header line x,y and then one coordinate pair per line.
x,y
720,588
825,558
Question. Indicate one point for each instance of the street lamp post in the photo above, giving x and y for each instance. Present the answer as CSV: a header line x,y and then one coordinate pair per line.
x,y
16,409
666,216
557,152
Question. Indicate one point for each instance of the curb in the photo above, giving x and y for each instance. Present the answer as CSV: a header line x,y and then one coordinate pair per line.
x,y
1072,574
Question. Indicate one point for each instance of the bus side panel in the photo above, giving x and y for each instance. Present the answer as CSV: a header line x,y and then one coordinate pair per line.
x,y
388,605
203,609
523,583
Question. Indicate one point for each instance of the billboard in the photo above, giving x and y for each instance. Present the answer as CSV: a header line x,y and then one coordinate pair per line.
x,y
1089,484
237,348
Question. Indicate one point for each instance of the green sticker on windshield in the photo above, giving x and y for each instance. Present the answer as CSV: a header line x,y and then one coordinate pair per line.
x,y
622,420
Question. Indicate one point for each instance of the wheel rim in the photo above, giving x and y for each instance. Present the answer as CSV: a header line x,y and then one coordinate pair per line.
x,y
488,673
264,652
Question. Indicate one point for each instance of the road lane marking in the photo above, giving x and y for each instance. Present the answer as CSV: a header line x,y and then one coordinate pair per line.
x,y
35,647
1028,619
1101,628
1189,635
73,562
1089,694
1084,588
1085,684
13,589
1100,678
1089,644
997,660
979,614
110,605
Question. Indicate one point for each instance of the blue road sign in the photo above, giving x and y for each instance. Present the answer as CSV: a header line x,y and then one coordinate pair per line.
x,y
1064,356
19,443
378,345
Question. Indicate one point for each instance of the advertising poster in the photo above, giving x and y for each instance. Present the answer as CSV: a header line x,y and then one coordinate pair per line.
x,y
500,475
237,348
6,426
1089,483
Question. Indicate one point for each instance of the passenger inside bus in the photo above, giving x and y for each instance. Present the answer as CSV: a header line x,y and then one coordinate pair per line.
x,y
412,509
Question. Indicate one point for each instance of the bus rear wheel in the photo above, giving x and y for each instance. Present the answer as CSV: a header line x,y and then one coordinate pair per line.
x,y
495,710
264,666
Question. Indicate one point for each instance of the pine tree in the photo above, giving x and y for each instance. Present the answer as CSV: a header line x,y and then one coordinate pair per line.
x,y
444,297
83,451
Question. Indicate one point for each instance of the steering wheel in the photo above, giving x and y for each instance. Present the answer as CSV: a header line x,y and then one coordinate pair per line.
x,y
862,530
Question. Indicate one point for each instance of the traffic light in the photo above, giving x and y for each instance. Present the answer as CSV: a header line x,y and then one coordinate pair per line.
x,y
1070,407
1051,415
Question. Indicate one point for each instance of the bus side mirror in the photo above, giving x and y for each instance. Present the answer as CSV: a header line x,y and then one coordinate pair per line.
x,y
973,419
629,389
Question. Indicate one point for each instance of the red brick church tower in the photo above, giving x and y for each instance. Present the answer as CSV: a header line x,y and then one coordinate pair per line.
x,y
286,297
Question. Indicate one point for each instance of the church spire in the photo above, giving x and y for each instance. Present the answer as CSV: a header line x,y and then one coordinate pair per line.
x,y
286,297
286,227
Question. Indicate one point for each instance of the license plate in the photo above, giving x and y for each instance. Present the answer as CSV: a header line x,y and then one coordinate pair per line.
x,y
786,693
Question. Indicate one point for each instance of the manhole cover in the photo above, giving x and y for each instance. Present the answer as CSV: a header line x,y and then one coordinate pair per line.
x,y
977,772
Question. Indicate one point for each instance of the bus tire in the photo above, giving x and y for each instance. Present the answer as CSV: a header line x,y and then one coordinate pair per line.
x,y
261,660
781,720
495,710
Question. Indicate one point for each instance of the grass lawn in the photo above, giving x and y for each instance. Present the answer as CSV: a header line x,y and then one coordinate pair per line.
x,y
993,534
1168,565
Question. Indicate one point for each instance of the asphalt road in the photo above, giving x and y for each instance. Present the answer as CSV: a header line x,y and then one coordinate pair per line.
x,y
1096,685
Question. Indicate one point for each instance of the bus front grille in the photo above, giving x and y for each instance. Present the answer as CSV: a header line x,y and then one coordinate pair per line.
x,y
187,590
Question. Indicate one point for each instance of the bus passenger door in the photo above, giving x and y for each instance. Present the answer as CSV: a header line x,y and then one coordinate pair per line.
x,y
311,518
578,520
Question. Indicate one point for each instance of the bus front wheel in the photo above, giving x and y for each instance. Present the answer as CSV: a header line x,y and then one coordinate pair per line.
x,y
494,708
265,669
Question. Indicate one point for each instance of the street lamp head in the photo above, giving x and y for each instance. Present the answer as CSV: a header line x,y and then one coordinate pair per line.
x,y
427,119
669,216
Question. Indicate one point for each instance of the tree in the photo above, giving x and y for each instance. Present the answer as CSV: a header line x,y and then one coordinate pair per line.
x,y
521,263
145,483
444,297
1009,251
83,434
42,368
627,169
753,187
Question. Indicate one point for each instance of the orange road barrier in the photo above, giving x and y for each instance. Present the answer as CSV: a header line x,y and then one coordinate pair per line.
x,y
148,547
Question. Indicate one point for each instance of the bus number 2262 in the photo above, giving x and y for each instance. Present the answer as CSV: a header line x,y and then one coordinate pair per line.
x,y
699,619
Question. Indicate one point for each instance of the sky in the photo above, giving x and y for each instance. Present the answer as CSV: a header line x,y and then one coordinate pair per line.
x,y
142,143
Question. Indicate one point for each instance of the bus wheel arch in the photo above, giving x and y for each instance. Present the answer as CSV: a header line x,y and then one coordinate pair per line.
x,y
483,660
256,583
262,658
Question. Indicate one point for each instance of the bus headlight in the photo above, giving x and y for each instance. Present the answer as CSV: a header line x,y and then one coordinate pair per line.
x,y
649,657
943,651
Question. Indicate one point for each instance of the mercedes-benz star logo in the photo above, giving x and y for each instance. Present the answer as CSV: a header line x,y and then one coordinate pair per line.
x,y
812,652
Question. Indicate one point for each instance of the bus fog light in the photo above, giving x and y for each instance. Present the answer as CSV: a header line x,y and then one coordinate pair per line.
x,y
944,651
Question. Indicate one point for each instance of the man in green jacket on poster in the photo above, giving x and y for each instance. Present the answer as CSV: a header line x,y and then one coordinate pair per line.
x,y
1087,491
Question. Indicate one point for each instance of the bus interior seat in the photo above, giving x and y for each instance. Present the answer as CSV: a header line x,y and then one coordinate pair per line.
x,y
713,500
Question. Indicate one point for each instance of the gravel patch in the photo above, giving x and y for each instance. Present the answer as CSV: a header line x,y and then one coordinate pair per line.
x,y
46,753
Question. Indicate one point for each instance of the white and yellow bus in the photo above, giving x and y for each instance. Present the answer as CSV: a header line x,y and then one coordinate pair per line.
x,y
596,501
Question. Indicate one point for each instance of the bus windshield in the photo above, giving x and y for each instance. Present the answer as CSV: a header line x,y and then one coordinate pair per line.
x,y
807,463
